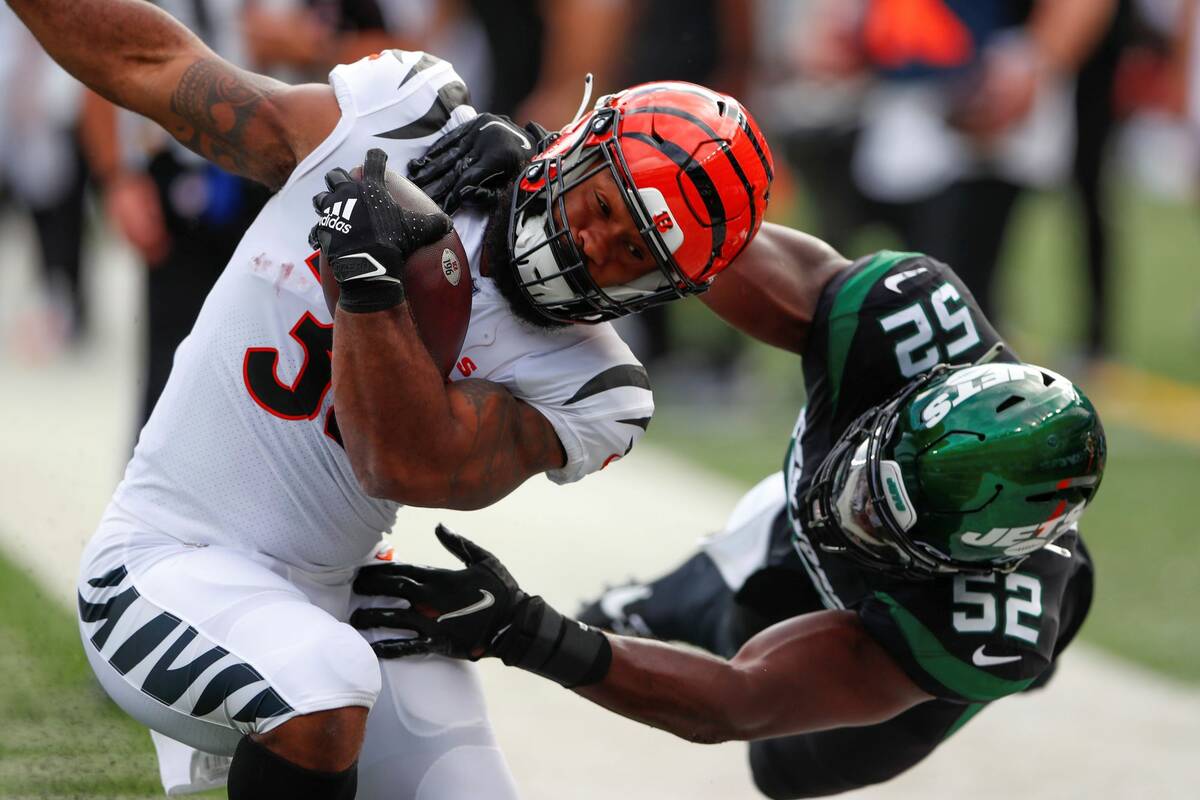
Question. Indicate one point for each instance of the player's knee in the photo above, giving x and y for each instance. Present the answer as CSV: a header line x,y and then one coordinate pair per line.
x,y
258,771
330,666
327,741
348,663
332,681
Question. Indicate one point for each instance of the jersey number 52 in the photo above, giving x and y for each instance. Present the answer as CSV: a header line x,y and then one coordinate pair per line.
x,y
919,352
976,608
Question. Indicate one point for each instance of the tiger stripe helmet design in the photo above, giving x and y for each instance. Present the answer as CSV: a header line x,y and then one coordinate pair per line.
x,y
692,167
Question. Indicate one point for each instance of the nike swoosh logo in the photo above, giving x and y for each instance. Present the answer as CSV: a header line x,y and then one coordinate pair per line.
x,y
487,601
514,132
614,601
893,281
982,659
374,273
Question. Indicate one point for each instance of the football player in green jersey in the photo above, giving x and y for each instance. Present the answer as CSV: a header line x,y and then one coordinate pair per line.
x,y
917,558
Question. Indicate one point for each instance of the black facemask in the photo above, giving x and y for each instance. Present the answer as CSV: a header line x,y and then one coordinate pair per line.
x,y
501,269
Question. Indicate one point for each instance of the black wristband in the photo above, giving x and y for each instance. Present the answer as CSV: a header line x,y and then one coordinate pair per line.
x,y
364,297
545,642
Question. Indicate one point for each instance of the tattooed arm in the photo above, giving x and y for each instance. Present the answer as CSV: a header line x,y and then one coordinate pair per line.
x,y
141,58
420,441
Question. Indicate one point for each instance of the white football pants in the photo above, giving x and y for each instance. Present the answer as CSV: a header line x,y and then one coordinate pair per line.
x,y
205,644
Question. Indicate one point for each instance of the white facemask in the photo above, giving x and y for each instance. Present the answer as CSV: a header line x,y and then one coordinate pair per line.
x,y
531,232
649,283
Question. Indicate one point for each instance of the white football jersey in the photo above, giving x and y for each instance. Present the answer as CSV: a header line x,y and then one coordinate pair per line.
x,y
242,448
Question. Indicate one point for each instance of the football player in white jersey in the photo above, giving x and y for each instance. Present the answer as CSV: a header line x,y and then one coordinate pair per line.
x,y
214,595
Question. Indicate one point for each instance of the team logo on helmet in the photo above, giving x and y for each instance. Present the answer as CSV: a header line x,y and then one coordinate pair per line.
x,y
966,469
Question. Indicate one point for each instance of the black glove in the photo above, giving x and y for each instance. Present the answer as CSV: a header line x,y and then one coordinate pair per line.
x,y
367,238
476,162
479,611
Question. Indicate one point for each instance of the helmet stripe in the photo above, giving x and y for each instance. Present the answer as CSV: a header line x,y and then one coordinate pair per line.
x,y
703,184
744,124
733,161
702,125
681,87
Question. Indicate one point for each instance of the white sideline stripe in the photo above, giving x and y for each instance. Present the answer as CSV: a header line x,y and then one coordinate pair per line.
x,y
1102,730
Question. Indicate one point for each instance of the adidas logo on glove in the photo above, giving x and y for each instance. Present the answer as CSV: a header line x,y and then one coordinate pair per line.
x,y
338,217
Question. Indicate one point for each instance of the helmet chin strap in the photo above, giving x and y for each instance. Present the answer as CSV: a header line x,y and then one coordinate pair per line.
x,y
587,96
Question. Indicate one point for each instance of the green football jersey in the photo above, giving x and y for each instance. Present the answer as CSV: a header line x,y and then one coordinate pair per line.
x,y
884,320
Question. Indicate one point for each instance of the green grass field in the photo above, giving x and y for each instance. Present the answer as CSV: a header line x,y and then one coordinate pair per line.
x,y
61,737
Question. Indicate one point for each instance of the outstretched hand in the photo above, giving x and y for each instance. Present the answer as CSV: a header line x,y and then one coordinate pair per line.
x,y
456,613
367,237
476,162
479,611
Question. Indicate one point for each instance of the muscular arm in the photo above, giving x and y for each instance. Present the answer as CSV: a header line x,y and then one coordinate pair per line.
x,y
770,292
413,438
139,57
806,674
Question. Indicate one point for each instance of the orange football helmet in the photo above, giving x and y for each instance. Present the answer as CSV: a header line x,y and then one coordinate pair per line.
x,y
692,167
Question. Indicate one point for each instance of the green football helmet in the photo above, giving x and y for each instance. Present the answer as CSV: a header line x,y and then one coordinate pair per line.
x,y
967,469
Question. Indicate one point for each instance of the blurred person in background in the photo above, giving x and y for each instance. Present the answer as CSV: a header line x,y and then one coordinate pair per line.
x,y
624,43
1186,61
511,34
1095,119
182,215
1179,84
711,42
961,104
43,172
579,36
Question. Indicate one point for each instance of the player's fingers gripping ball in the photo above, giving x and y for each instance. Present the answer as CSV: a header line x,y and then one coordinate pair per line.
x,y
384,242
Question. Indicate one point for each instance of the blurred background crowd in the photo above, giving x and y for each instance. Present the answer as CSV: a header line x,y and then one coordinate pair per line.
x,y
1047,149
920,124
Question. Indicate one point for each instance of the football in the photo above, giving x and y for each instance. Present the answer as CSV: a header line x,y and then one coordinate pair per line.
x,y
437,280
